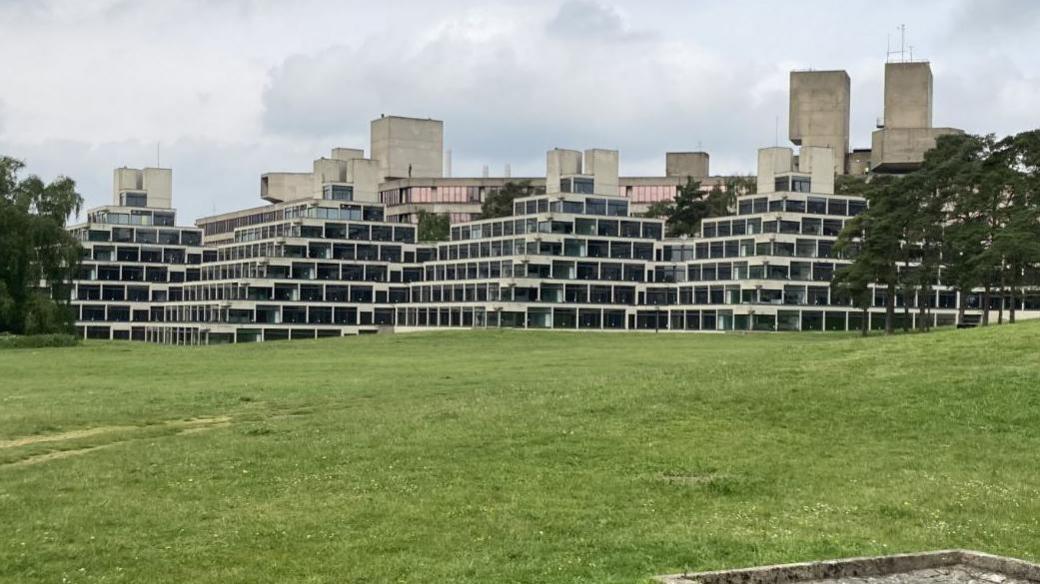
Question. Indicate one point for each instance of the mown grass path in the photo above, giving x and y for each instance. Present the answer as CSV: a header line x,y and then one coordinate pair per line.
x,y
513,456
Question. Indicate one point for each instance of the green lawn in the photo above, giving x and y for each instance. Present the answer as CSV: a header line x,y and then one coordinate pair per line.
x,y
513,456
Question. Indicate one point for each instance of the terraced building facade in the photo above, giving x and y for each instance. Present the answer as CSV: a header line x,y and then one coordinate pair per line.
x,y
572,258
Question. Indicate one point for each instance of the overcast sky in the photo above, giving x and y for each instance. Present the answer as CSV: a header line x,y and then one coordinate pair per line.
x,y
234,88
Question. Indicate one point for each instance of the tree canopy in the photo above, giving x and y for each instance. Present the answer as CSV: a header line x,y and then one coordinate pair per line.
x,y
499,202
35,247
683,215
968,218
433,226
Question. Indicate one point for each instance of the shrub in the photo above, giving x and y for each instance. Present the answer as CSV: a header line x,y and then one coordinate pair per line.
x,y
37,341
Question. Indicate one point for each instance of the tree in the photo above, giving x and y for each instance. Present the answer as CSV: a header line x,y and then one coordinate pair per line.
x,y
433,226
873,241
691,205
853,283
35,248
1020,240
499,202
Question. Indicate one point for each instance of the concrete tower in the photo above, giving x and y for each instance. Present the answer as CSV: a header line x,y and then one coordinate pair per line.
x,y
408,147
819,114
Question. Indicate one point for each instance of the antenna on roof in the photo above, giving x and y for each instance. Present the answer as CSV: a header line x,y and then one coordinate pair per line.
x,y
902,46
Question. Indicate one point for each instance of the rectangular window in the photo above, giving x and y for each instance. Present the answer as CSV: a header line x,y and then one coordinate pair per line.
x,y
596,206
583,185
134,199
339,193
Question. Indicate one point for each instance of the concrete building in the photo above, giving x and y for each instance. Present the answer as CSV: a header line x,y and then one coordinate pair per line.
x,y
135,259
819,112
334,250
564,260
906,133
345,176
144,187
407,147
460,197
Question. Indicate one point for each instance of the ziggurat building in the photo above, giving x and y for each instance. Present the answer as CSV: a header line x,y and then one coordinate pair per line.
x,y
335,252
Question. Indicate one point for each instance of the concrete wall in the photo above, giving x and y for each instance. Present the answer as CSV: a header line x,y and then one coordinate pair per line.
x,y
156,183
819,111
278,187
125,179
347,153
686,164
327,170
818,163
366,176
858,162
408,147
559,163
602,165
908,95
903,149
771,162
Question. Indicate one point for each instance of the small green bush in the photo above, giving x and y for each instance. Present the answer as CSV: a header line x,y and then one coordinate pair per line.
x,y
37,341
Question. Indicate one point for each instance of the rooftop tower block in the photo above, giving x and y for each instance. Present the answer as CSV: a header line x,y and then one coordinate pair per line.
x,y
408,147
819,114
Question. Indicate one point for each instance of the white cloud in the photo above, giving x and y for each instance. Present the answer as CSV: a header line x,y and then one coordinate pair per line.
x,y
234,88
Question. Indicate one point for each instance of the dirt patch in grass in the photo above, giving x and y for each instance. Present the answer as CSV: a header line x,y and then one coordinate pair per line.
x,y
128,434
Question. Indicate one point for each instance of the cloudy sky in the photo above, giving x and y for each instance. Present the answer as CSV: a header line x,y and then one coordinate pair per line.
x,y
233,88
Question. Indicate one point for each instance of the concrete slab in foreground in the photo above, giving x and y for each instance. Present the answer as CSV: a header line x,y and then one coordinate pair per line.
x,y
944,567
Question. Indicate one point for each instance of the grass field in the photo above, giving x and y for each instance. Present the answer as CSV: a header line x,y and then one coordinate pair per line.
x,y
513,456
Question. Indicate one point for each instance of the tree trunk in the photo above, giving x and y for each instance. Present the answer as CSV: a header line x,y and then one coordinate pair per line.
x,y
1011,309
906,311
890,308
1000,307
865,327
922,302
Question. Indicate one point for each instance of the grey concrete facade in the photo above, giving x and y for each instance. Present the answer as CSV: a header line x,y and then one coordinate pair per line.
x,y
820,110
694,165
906,134
408,147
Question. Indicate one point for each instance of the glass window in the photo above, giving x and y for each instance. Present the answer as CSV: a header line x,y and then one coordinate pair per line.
x,y
373,214
801,184
652,230
134,199
339,193
574,207
795,206
583,185
817,205
596,206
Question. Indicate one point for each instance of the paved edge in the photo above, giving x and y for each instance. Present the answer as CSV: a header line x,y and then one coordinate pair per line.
x,y
861,567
